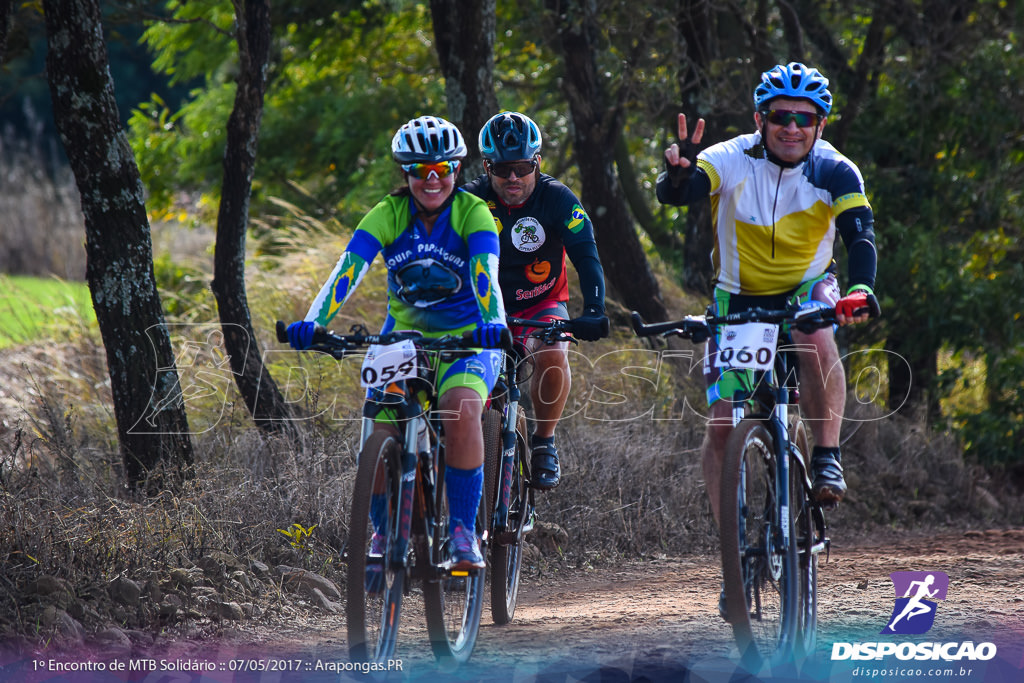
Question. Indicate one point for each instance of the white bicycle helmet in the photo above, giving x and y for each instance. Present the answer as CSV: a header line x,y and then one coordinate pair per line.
x,y
427,140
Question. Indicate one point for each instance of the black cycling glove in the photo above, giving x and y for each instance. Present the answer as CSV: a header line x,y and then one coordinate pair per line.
x,y
592,325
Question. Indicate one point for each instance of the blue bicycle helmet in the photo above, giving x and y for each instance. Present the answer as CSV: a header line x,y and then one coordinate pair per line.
x,y
509,136
793,80
427,140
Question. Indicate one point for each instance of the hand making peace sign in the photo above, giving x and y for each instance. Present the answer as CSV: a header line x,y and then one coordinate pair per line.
x,y
684,152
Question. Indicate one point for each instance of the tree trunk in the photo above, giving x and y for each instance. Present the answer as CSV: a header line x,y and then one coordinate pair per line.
x,y
596,125
151,423
6,19
464,33
694,22
258,389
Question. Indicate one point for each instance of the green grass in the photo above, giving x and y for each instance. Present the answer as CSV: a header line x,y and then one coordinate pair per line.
x,y
36,307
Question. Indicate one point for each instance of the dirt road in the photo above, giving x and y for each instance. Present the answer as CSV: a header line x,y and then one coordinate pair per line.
x,y
657,621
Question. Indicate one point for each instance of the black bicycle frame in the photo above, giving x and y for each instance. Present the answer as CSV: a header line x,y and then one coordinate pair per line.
x,y
771,399
508,383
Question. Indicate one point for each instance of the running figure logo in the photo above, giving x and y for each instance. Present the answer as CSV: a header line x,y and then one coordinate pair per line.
x,y
914,612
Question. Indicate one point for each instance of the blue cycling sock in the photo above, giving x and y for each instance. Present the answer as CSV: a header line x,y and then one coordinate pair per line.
x,y
464,490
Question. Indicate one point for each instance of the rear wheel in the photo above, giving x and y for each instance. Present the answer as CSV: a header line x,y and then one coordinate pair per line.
x,y
375,585
454,600
507,550
758,568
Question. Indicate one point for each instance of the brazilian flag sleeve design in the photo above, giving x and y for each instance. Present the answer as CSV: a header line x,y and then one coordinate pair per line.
x,y
483,264
349,271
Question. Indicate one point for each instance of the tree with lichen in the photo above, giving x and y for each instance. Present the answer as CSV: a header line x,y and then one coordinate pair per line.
x,y
152,426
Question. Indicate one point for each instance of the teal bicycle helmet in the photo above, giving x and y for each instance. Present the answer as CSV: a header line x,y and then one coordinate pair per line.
x,y
509,136
793,80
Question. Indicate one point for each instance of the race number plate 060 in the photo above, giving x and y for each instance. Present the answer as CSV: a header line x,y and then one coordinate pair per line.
x,y
386,364
750,346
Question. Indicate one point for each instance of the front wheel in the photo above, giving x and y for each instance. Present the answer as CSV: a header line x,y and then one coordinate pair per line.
x,y
759,569
810,542
507,550
453,600
375,584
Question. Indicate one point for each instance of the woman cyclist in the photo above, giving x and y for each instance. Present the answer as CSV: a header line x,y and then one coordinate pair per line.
x,y
440,246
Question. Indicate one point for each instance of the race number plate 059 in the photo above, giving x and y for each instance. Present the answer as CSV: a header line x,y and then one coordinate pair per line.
x,y
750,346
386,364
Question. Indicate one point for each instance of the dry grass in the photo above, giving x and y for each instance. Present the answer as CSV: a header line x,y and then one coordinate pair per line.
x,y
41,219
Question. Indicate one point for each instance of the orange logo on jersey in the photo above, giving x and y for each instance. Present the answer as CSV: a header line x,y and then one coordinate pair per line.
x,y
538,271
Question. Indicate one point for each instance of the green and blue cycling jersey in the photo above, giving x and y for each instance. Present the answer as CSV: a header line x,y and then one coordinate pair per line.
x,y
441,282
438,283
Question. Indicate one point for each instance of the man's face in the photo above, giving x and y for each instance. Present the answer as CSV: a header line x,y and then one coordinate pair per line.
x,y
514,181
790,128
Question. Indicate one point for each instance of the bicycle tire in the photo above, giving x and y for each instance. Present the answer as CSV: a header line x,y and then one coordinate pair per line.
x,y
372,617
507,557
491,424
758,579
454,604
808,543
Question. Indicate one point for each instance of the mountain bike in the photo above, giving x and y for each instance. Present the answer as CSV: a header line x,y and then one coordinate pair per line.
x,y
399,524
507,468
772,530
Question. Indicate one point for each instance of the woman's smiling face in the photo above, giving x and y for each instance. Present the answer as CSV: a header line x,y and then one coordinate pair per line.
x,y
433,191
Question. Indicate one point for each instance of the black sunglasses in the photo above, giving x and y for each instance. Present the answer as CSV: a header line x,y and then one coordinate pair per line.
x,y
782,117
506,169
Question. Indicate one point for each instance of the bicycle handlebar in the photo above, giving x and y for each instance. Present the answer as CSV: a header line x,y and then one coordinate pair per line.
x,y
548,331
699,328
338,344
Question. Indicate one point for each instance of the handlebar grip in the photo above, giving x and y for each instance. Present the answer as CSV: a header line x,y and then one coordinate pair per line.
x,y
504,339
874,309
638,323
642,329
320,334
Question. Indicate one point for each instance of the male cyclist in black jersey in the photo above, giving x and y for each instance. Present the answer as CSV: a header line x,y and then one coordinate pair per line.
x,y
539,222
779,197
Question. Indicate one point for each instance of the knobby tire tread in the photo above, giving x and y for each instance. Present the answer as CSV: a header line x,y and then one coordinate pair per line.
x,y
376,643
507,559
806,529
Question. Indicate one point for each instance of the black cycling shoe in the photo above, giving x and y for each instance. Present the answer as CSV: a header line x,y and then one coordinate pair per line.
x,y
828,487
547,473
